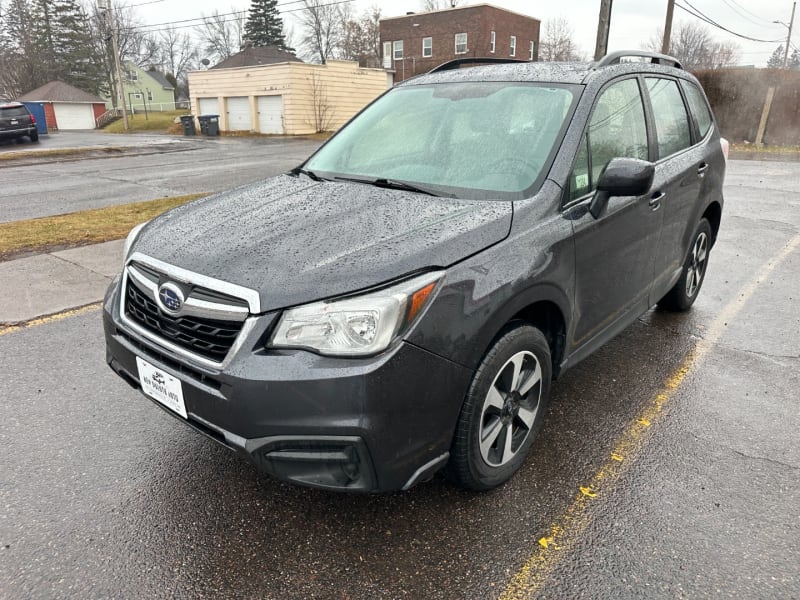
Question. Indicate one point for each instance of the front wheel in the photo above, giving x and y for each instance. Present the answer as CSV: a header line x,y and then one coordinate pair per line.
x,y
684,293
503,410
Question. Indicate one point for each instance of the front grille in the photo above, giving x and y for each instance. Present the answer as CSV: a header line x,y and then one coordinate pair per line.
x,y
211,339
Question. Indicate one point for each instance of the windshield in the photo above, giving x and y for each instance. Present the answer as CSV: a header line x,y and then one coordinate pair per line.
x,y
470,139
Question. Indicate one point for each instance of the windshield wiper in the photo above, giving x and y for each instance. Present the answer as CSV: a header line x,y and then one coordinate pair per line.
x,y
307,173
394,184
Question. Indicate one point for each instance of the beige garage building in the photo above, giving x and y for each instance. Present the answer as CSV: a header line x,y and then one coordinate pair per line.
x,y
286,98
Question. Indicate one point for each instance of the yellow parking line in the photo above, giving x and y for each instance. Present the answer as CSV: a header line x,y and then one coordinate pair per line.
x,y
563,534
73,312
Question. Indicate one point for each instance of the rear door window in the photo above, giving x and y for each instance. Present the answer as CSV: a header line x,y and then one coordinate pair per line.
x,y
669,114
698,106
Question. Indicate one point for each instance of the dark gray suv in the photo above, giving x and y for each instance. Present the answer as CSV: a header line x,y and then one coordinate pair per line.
x,y
16,122
400,303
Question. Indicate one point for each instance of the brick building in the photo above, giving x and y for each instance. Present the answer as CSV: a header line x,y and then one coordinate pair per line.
x,y
417,42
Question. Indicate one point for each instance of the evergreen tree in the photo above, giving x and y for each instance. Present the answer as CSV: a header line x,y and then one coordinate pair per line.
x,y
794,60
73,52
264,25
776,60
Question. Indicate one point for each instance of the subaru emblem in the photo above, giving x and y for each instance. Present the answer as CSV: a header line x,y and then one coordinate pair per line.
x,y
171,297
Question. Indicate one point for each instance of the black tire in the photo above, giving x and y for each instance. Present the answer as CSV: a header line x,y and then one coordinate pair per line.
x,y
34,137
683,294
477,468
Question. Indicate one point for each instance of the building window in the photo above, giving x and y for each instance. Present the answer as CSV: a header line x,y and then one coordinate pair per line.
x,y
492,42
137,96
461,43
133,75
387,55
427,47
513,46
149,96
398,50
533,50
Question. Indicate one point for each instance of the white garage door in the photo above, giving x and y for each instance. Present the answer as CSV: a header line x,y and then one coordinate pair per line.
x,y
239,114
74,116
270,114
209,106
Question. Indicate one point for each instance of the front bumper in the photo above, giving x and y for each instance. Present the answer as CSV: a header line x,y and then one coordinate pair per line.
x,y
381,423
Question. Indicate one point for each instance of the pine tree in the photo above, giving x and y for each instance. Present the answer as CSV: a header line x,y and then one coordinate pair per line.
x,y
794,60
264,25
776,60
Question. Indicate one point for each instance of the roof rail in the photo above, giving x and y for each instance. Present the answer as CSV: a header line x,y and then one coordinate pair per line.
x,y
659,59
489,60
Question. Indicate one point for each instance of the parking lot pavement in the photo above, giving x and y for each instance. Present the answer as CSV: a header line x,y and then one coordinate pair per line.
x,y
104,495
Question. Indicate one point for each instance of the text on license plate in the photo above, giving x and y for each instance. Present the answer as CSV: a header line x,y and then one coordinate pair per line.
x,y
161,386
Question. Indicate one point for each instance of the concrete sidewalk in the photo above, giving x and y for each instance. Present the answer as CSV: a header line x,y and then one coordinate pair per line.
x,y
47,284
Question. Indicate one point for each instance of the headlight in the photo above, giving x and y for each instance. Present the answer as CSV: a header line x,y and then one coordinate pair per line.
x,y
359,325
131,238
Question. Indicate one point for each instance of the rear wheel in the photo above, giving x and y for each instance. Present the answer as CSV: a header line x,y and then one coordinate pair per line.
x,y
34,137
503,410
684,293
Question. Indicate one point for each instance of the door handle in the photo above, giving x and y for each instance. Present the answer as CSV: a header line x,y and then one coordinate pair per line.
x,y
655,200
701,170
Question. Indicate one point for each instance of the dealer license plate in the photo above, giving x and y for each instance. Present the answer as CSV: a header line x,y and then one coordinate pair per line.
x,y
161,386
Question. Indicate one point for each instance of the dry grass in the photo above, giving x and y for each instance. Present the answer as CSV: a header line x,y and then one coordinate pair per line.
x,y
155,121
16,155
765,149
81,228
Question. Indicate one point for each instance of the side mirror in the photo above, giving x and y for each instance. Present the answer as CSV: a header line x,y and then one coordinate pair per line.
x,y
621,177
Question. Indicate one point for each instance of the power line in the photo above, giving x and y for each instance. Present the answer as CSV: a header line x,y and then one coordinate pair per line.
x,y
748,12
237,13
696,13
739,11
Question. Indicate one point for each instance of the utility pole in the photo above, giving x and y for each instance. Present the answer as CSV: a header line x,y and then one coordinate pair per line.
x,y
668,27
603,29
112,28
789,38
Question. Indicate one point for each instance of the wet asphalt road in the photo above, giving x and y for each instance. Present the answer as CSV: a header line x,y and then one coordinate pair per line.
x,y
103,495
176,166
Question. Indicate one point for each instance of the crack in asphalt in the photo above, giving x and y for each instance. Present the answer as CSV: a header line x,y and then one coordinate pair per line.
x,y
765,459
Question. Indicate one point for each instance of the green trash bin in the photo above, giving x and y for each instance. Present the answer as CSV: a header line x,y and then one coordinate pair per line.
x,y
187,121
213,125
209,124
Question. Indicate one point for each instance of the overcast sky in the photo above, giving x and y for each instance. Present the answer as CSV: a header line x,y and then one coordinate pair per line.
x,y
632,22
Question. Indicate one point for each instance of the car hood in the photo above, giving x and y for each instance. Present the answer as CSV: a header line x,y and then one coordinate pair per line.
x,y
295,240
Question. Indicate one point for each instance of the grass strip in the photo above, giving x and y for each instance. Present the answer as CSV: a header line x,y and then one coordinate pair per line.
x,y
81,228
16,155
765,149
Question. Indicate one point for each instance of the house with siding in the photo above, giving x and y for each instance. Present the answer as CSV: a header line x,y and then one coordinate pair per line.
x,y
144,89
288,97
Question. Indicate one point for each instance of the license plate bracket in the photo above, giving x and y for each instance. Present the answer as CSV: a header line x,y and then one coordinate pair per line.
x,y
161,387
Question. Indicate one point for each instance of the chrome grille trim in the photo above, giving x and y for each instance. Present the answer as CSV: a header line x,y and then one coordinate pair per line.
x,y
198,308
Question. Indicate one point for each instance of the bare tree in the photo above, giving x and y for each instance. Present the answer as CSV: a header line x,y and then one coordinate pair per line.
x,y
557,43
178,54
361,38
321,108
222,36
693,45
321,30
429,5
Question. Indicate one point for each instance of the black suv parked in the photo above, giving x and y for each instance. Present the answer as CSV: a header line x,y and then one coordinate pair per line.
x,y
16,121
401,302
